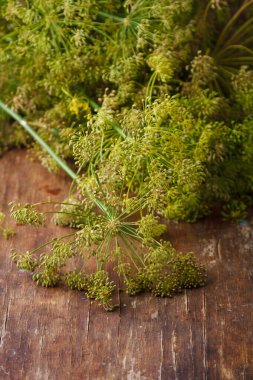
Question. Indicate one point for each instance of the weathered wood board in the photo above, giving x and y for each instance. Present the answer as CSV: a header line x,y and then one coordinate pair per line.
x,y
56,334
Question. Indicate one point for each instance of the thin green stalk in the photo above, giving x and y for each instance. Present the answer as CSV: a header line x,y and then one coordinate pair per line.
x,y
51,241
240,32
107,250
139,206
233,47
125,240
208,7
63,212
112,17
56,203
37,138
71,189
119,258
150,87
126,252
40,141
236,60
233,19
125,232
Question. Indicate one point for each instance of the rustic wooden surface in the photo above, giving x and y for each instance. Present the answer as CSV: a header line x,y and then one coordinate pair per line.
x,y
51,334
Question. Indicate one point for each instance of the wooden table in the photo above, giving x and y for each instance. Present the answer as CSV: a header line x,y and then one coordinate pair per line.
x,y
51,334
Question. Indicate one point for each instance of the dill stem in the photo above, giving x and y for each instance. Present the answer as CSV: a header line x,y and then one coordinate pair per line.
x,y
42,143
107,250
51,241
56,203
131,249
127,254
62,212
46,147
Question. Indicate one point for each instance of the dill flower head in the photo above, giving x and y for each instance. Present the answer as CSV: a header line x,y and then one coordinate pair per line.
x,y
100,288
47,278
76,280
149,227
203,69
27,214
24,261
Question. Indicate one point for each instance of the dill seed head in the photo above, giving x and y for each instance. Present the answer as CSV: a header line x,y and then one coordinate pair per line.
x,y
113,226
89,235
24,261
149,227
27,214
100,288
76,280
47,278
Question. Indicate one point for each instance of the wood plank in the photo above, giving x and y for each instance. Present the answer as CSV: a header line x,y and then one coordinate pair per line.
x,y
51,334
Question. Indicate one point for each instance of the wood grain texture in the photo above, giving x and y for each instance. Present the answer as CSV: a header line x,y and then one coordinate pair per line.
x,y
56,334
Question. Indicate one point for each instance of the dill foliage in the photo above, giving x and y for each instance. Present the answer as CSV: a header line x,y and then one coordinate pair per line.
x,y
155,93
153,102
140,262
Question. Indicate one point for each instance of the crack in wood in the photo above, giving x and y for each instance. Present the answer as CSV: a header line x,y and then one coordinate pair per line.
x,y
4,326
174,355
88,323
204,337
162,356
219,249
186,302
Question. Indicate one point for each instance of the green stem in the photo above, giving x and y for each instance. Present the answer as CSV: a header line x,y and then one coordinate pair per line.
x,y
150,87
112,17
126,252
51,241
42,143
56,203
62,212
107,250
128,245
233,19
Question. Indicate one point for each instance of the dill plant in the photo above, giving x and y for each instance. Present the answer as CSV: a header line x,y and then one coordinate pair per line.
x,y
153,101
141,262
107,234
